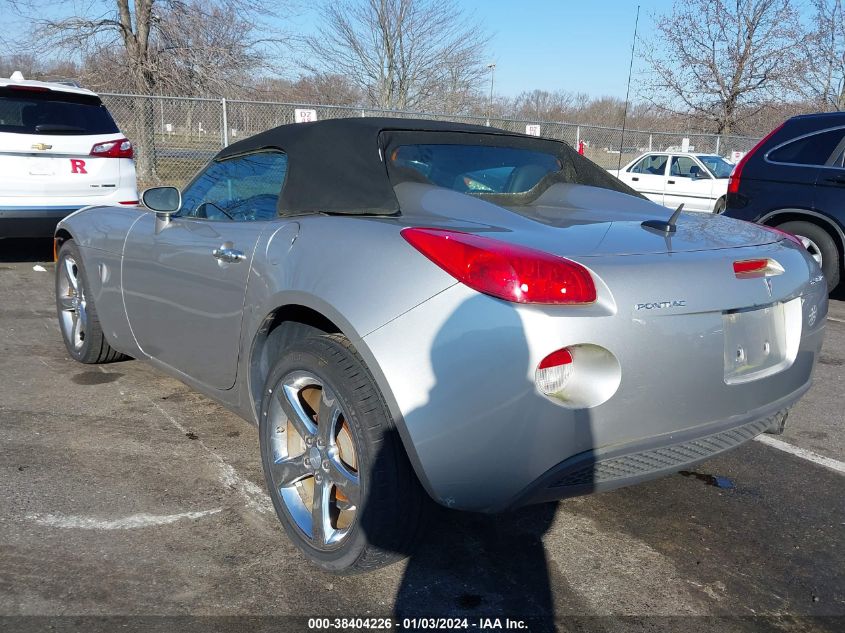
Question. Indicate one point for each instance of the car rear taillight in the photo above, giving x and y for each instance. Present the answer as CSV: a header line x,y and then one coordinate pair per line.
x,y
736,174
746,268
509,272
121,148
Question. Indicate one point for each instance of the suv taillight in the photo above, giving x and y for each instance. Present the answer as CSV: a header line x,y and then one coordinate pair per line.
x,y
121,148
507,271
736,174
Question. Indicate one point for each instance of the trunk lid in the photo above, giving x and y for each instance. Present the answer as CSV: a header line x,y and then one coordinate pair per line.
x,y
588,222
578,221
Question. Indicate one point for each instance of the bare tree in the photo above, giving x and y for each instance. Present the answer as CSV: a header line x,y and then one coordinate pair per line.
x,y
402,54
35,67
543,105
720,61
152,46
823,80
325,88
208,50
314,89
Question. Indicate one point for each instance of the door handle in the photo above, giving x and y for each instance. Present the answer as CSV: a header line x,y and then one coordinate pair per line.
x,y
635,178
228,255
671,182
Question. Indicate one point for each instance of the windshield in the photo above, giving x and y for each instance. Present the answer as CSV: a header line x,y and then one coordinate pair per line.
x,y
717,165
476,168
53,112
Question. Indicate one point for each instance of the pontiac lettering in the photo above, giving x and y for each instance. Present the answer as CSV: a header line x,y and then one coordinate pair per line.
x,y
657,305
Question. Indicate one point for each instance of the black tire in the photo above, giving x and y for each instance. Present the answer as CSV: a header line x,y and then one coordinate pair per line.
x,y
720,205
390,519
831,261
92,347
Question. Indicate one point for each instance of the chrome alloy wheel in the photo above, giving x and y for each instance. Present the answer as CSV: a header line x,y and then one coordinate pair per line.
x,y
72,303
812,248
313,458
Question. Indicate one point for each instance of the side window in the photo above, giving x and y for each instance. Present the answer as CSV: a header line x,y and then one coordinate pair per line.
x,y
240,189
839,159
652,164
637,168
686,167
815,149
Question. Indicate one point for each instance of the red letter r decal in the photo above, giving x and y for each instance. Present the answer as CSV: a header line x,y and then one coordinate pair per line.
x,y
77,166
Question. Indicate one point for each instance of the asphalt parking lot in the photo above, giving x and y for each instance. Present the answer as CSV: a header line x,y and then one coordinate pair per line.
x,y
124,493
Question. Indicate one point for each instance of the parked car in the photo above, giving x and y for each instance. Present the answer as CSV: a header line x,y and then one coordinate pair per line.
x,y
794,179
699,181
431,309
60,150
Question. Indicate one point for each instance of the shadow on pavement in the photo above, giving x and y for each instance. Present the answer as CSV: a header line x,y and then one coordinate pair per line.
x,y
480,566
471,565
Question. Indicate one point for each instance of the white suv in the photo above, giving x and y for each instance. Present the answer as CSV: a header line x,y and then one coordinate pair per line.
x,y
60,150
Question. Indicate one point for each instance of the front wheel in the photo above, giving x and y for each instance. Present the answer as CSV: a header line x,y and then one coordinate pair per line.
x,y
820,246
335,467
77,313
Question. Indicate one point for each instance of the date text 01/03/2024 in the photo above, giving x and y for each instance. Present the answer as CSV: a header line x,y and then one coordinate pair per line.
x,y
414,624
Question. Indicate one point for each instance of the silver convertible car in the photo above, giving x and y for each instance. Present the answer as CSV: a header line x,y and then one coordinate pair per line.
x,y
414,309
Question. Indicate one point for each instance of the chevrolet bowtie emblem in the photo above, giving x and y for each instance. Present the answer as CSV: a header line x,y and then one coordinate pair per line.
x,y
42,146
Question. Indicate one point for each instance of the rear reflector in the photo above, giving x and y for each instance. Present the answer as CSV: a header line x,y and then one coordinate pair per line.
x,y
506,271
757,268
560,357
750,266
131,202
121,148
554,371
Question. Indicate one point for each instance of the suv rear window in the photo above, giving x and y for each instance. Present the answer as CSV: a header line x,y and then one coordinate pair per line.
x,y
51,112
814,149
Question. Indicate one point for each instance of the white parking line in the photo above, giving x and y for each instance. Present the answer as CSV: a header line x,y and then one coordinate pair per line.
x,y
254,495
124,523
803,453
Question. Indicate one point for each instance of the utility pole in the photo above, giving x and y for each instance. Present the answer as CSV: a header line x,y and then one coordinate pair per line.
x,y
492,68
628,93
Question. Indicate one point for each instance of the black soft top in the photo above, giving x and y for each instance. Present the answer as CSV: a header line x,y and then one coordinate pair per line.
x,y
337,165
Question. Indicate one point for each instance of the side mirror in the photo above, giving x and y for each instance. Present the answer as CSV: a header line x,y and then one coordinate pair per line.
x,y
162,200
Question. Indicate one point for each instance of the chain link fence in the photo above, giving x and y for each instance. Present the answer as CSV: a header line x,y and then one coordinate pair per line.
x,y
174,137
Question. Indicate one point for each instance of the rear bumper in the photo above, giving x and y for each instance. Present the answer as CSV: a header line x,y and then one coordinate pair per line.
x,y
636,462
31,221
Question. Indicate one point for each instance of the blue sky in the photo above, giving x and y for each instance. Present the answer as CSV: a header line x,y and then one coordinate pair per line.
x,y
574,45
